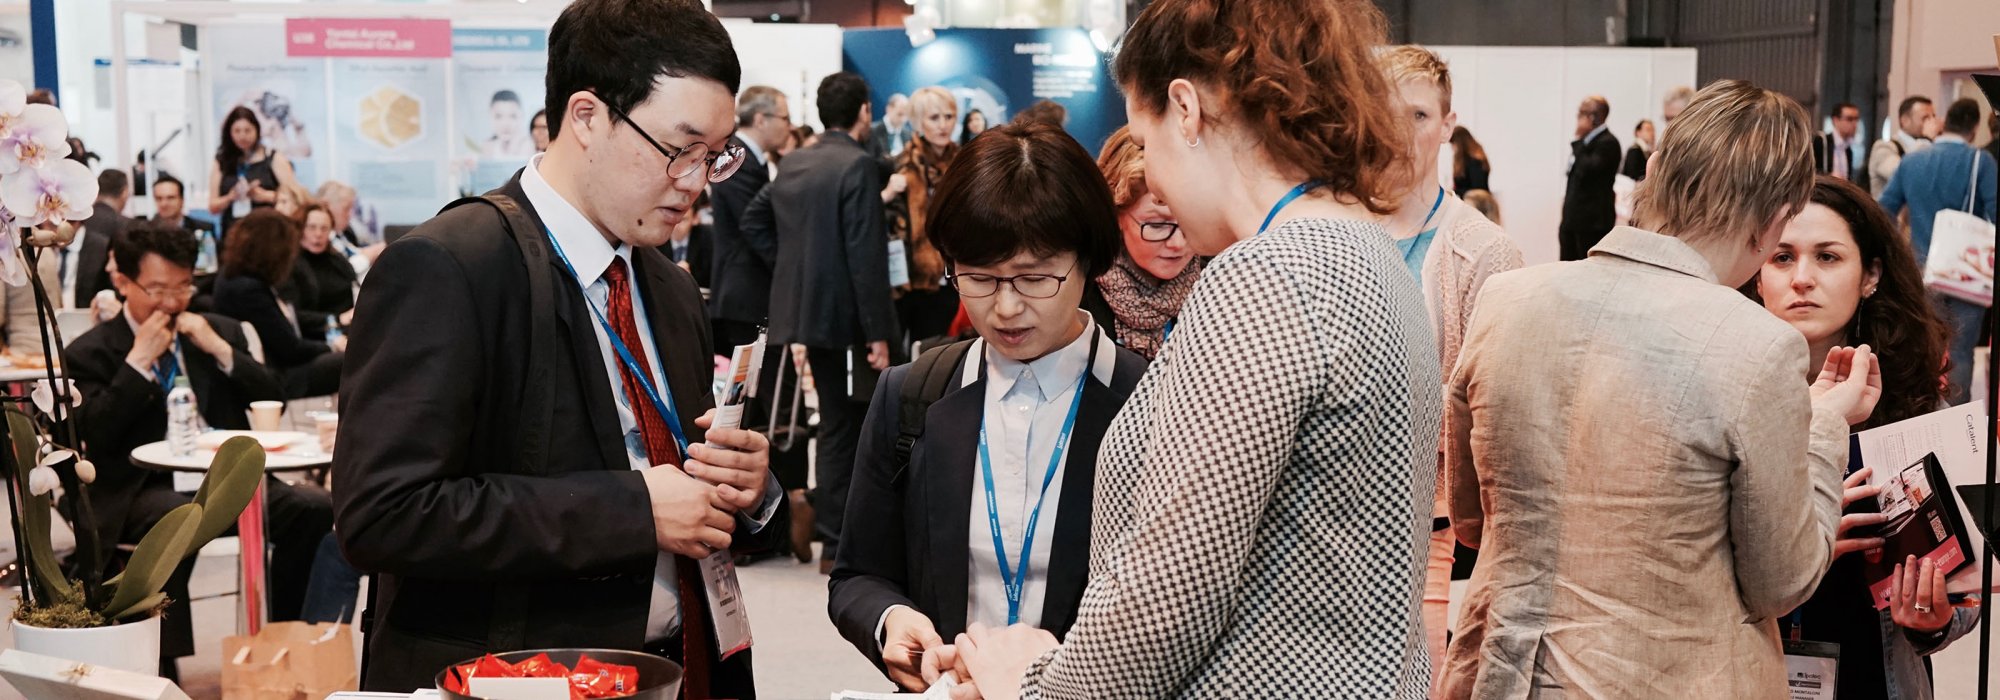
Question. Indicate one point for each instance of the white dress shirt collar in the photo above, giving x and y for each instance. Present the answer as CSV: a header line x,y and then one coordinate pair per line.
x,y
582,244
1592,136
755,150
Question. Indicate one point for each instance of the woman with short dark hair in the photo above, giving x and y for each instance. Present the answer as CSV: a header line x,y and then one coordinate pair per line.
x,y
1023,223
256,260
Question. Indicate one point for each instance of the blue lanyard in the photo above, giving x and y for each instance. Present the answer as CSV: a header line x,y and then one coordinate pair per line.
x,y
1016,578
664,403
167,382
1434,212
1167,331
1296,193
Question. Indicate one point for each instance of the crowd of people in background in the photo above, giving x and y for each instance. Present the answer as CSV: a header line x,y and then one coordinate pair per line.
x,y
1754,284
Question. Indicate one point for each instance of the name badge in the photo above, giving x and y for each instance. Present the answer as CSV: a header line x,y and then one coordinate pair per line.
x,y
725,603
899,265
1811,669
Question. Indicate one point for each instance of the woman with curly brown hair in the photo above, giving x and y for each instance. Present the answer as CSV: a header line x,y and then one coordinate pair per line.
x,y
257,259
1843,275
1259,529
925,305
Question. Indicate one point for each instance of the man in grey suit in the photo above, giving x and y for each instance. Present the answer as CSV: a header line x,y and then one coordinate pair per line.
x,y
830,287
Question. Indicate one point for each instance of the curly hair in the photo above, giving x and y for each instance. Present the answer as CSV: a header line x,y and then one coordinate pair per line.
x,y
1898,321
1124,168
1298,76
261,245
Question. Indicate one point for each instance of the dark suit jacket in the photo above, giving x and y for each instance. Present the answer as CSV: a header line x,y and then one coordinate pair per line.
x,y
879,142
321,287
123,409
700,254
99,230
483,535
1824,148
249,299
1589,206
740,282
911,548
1635,163
830,287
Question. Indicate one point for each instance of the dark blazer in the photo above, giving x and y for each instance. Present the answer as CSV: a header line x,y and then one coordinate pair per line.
x,y
1825,146
700,254
740,282
484,537
321,287
1589,206
830,286
122,409
878,145
194,226
99,230
911,549
1635,163
249,299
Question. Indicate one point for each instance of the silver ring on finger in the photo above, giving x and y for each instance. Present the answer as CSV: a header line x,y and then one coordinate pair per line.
x,y
1923,609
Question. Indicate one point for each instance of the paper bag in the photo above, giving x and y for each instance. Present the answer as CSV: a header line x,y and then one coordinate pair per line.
x,y
289,661
1961,257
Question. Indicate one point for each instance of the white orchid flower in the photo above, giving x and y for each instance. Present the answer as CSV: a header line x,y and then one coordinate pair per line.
x,y
56,457
42,480
36,138
61,190
13,98
44,396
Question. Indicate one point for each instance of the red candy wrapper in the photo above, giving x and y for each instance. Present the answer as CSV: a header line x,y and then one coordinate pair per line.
x,y
591,680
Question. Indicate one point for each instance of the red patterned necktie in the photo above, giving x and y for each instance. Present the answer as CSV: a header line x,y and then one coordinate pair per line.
x,y
660,449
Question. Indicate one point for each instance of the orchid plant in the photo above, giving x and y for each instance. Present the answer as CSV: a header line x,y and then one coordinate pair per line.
x,y
41,192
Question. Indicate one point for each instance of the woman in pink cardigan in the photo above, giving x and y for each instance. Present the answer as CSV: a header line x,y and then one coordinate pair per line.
x,y
1451,248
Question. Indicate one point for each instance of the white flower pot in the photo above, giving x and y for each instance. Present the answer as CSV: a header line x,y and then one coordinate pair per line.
x,y
134,646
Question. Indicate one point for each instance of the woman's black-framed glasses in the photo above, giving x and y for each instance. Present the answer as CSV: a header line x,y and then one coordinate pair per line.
x,y
1156,231
683,161
1037,286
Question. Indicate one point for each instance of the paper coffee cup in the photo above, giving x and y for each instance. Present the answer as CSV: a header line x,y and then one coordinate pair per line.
x,y
265,415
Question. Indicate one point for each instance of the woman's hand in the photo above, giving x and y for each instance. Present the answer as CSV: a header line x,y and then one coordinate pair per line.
x,y
1916,596
907,640
997,659
1850,382
898,184
1854,489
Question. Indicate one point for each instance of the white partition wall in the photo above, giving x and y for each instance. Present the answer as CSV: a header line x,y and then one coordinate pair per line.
x,y
790,57
1521,104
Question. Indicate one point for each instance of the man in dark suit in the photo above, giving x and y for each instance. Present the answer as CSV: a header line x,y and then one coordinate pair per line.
x,y
886,139
125,367
740,295
82,264
170,208
515,465
830,289
1836,153
1589,207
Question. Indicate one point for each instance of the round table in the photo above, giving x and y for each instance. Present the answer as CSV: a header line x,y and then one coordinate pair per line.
x,y
301,453
12,374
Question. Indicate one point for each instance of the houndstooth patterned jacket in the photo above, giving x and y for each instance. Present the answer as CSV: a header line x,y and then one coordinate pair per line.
x,y
1264,500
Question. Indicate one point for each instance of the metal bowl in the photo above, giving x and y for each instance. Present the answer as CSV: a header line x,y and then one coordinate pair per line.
x,y
659,679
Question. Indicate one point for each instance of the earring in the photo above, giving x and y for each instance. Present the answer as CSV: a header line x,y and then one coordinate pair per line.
x,y
1195,142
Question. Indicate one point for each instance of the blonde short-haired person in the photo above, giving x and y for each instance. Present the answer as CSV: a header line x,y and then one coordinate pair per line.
x,y
926,305
1649,485
1451,249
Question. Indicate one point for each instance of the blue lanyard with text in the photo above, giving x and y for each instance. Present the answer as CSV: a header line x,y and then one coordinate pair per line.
x,y
1016,579
167,381
662,402
1296,193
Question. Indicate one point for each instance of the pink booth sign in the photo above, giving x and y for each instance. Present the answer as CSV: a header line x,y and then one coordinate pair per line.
x,y
368,38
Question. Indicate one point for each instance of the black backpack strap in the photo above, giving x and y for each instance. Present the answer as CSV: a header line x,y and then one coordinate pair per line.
x,y
930,377
511,602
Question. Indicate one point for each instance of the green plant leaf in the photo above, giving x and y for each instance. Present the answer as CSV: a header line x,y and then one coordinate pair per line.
x,y
146,605
233,477
45,570
153,561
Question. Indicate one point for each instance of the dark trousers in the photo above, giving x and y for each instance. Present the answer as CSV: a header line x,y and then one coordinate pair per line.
x,y
840,417
298,517
927,315
1577,239
335,586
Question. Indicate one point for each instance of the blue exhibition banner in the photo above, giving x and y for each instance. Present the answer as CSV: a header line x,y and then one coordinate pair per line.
x,y
996,71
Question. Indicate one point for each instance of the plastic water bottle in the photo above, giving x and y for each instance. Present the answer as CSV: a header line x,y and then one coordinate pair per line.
x,y
332,329
205,261
183,421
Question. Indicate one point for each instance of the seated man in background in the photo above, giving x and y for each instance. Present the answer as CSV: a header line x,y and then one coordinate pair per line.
x,y
125,367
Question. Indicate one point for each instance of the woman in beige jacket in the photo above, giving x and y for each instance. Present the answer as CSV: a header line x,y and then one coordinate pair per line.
x,y
1649,486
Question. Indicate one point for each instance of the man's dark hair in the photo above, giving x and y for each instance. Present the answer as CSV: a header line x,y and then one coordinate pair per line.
x,y
1910,103
841,96
1046,111
504,96
619,49
1025,187
1641,125
1962,117
179,188
165,240
113,183
1844,106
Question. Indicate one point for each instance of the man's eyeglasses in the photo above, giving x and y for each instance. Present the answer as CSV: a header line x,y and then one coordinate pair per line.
x,y
979,286
683,161
185,291
1156,231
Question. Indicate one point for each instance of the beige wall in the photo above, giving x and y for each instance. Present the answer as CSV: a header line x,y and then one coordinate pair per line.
x,y
1936,39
